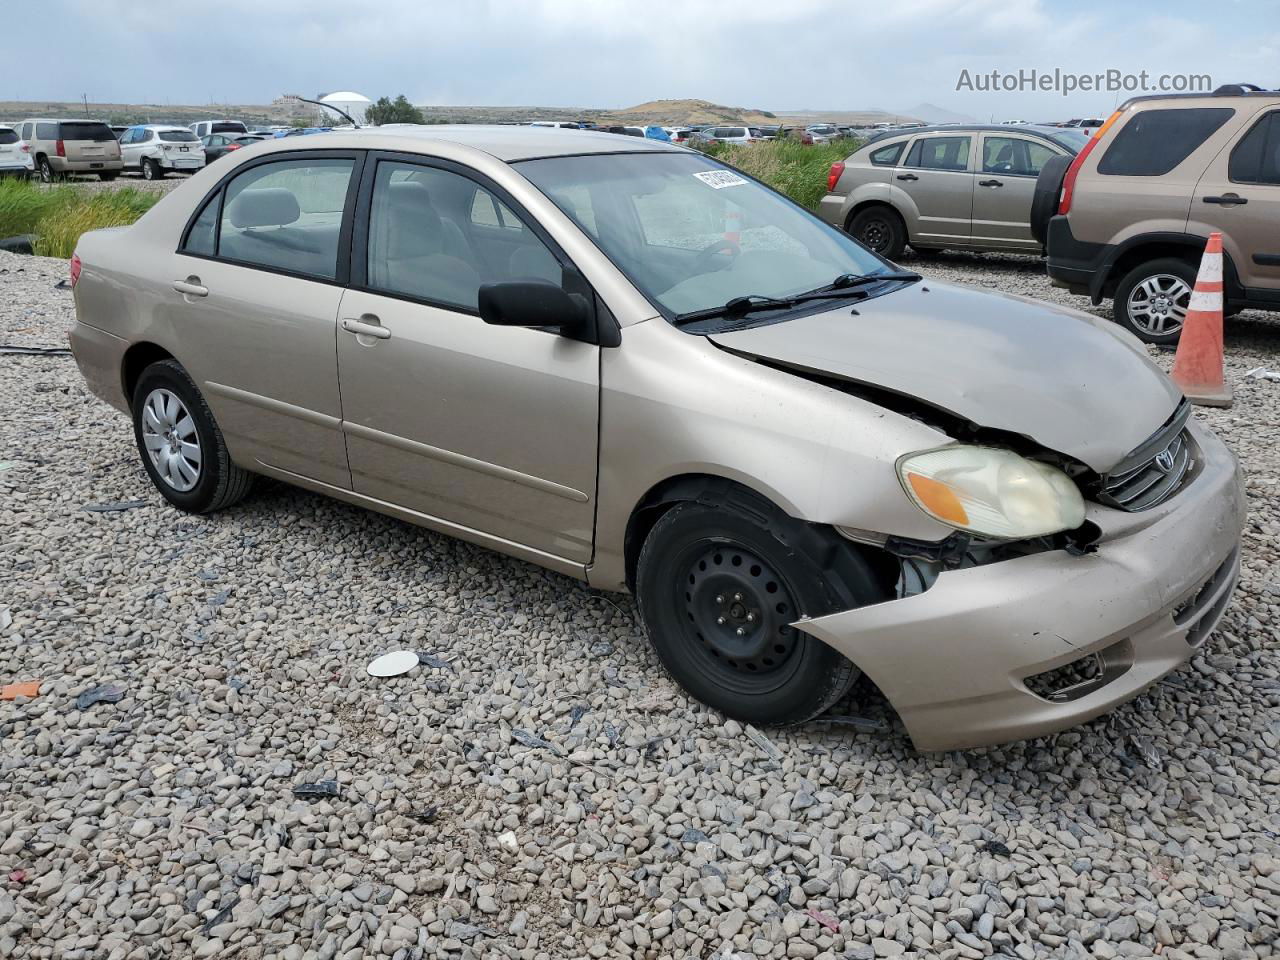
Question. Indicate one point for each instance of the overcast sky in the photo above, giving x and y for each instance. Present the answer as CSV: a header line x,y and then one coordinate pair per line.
x,y
772,54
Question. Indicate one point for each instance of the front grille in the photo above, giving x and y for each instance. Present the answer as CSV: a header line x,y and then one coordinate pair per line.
x,y
1153,472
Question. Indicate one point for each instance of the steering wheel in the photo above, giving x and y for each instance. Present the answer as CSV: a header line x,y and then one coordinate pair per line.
x,y
703,262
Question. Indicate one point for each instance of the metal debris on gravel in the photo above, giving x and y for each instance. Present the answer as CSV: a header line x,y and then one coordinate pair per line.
x,y
166,825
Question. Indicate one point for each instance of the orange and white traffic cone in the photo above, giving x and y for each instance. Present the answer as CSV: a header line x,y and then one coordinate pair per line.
x,y
1197,366
733,227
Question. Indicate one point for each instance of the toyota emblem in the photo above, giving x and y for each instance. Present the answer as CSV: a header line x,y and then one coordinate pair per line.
x,y
1164,460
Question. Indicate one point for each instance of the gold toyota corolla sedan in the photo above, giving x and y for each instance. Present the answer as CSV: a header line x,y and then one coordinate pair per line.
x,y
626,362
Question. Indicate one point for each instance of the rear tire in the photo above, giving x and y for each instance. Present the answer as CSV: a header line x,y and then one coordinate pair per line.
x,y
1152,299
181,447
151,170
880,230
45,169
718,586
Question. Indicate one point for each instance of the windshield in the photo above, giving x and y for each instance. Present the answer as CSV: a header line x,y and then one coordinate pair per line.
x,y
178,136
692,234
1073,139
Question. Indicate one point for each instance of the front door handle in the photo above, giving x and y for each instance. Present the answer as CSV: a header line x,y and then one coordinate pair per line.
x,y
366,326
907,176
191,287
1227,199
990,183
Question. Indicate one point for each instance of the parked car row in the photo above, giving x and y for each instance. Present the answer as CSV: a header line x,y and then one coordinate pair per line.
x,y
1121,211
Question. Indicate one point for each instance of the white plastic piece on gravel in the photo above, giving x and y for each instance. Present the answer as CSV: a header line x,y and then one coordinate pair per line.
x,y
393,664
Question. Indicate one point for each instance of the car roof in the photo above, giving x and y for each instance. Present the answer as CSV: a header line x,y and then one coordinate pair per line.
x,y
1032,128
517,143
161,126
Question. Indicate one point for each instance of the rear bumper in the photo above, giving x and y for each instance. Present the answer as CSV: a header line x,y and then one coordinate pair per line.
x,y
1078,265
831,209
193,161
954,661
63,165
100,357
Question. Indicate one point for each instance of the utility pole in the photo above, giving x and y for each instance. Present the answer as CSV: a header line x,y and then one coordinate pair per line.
x,y
84,98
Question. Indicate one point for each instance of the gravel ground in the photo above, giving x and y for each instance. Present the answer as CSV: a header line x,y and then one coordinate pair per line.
x,y
538,788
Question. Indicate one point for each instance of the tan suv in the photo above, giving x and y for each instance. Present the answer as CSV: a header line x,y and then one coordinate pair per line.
x,y
61,147
1135,207
624,361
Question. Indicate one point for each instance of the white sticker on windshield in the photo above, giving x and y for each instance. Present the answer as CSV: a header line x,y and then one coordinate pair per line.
x,y
720,178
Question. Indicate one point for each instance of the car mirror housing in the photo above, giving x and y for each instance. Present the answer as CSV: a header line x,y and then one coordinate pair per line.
x,y
534,303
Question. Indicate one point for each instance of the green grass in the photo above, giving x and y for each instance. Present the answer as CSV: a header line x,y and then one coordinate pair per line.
x,y
787,165
58,215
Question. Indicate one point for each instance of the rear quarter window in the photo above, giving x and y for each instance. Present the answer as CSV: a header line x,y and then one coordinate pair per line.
x,y
887,156
1256,158
1154,142
46,131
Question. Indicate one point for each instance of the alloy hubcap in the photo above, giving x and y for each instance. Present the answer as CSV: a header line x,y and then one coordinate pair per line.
x,y
740,611
1159,304
172,444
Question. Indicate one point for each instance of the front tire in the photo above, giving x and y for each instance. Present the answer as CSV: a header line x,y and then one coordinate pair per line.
x,y
182,449
880,230
1152,299
719,585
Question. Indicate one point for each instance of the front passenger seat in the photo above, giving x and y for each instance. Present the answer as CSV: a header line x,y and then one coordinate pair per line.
x,y
408,254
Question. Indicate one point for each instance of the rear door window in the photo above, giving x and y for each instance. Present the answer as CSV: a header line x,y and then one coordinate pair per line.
x,y
1256,158
940,153
1013,156
285,216
1154,142
93,132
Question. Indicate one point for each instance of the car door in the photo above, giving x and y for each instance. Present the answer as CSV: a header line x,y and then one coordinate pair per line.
x,y
256,286
937,177
1003,189
484,431
1239,195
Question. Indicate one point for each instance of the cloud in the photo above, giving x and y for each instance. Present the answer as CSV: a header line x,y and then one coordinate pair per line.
x,y
803,53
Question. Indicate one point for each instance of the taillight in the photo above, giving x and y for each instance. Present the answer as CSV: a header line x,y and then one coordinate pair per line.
x,y
60,148
75,269
1069,181
834,175
807,140
26,147
233,146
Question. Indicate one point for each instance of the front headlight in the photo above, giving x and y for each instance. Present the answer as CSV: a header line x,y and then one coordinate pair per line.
x,y
992,492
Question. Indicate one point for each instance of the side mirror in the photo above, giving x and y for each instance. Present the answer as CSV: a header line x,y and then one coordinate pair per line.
x,y
534,303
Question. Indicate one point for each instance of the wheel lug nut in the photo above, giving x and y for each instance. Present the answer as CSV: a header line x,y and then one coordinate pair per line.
x,y
738,597
720,620
751,618
719,598
741,632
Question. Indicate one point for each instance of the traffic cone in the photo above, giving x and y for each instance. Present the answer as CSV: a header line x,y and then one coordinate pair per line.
x,y
1197,366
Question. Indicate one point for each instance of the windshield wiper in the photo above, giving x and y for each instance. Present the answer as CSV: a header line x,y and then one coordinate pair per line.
x,y
845,285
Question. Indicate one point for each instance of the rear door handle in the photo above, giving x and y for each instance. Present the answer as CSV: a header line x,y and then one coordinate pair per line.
x,y
990,183
191,287
366,326
907,176
1227,199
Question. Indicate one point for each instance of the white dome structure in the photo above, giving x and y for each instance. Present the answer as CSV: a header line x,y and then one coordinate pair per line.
x,y
353,103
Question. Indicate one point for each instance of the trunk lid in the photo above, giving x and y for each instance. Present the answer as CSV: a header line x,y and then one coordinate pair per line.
x,y
1071,382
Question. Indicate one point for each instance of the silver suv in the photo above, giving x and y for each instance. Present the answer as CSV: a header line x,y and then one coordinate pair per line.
x,y
963,188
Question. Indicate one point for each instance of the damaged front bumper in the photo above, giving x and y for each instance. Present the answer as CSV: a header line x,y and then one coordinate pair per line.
x,y
960,661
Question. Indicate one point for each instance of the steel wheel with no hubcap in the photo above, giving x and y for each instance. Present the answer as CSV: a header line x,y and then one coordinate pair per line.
x,y
1158,305
739,612
876,235
171,440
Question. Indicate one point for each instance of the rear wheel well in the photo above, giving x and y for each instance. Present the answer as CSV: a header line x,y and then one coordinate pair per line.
x,y
136,359
707,488
867,205
1190,251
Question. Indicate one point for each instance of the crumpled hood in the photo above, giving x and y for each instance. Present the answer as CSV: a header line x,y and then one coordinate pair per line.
x,y
1071,382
